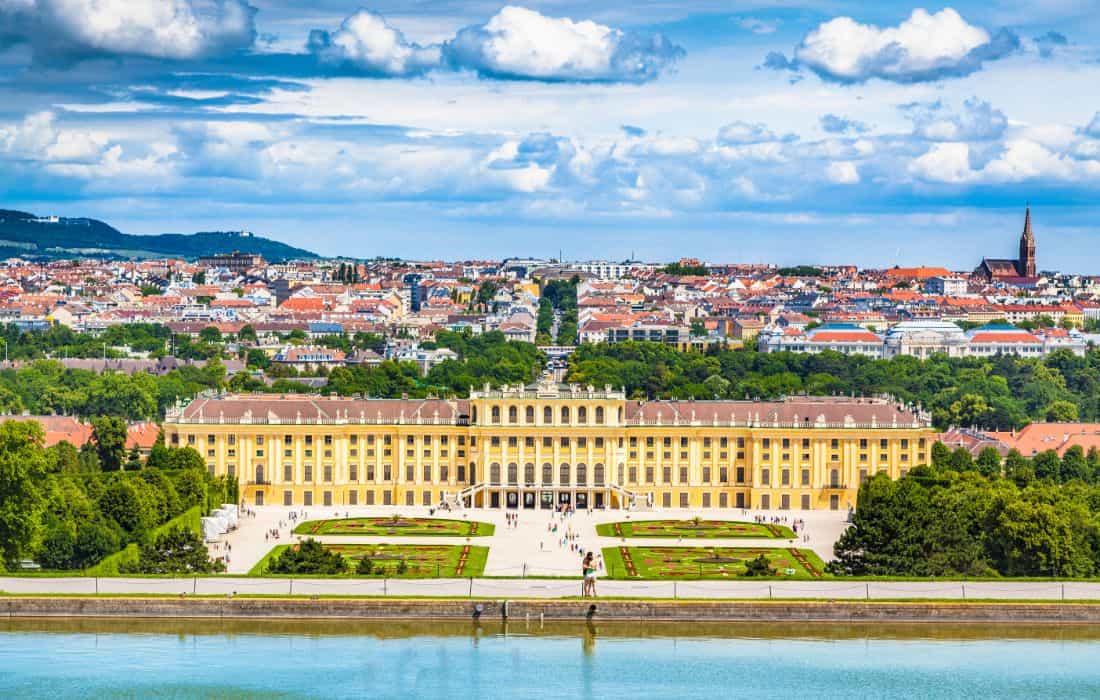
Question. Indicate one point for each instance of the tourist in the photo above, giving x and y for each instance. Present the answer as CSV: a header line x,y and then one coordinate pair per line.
x,y
588,569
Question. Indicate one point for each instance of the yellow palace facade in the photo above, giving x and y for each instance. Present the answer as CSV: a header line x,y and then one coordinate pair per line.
x,y
540,446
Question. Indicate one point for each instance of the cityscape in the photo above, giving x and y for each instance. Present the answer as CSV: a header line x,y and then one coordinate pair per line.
x,y
675,347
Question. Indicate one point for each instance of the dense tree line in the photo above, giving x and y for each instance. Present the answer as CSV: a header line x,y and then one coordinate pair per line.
x,y
486,358
60,507
47,387
1000,392
560,296
686,270
973,517
62,341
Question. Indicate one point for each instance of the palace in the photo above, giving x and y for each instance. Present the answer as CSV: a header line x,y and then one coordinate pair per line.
x,y
1023,268
539,446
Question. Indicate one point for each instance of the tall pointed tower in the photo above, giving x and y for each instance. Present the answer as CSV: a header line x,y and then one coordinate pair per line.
x,y
1026,263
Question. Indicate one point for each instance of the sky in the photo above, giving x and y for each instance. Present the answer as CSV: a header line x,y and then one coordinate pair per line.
x,y
792,131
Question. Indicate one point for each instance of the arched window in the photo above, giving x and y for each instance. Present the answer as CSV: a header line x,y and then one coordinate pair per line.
x,y
547,415
494,473
513,415
582,475
622,474
599,415
620,415
834,478
547,474
598,475
495,413
563,475
513,474
529,414
259,474
529,474
473,415
565,415
582,415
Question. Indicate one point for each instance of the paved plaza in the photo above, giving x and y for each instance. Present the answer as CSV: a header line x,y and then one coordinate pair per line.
x,y
530,548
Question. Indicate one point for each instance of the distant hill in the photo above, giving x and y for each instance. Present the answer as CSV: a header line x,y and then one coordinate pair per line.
x,y
29,236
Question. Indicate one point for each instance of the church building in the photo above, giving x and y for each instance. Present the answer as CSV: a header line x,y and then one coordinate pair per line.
x,y
1021,269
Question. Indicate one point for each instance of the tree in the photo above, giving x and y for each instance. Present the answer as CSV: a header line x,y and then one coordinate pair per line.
x,y
989,462
1075,465
122,501
717,385
257,359
1062,411
57,547
133,459
1047,465
159,455
759,566
210,334
247,334
109,435
22,468
698,328
94,541
308,557
941,454
178,551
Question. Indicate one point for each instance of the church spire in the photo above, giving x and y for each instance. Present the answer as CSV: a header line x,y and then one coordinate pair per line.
x,y
1026,263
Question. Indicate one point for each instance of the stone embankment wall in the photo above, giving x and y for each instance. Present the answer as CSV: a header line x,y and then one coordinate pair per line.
x,y
684,611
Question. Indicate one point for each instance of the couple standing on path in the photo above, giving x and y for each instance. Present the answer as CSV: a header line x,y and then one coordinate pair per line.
x,y
588,570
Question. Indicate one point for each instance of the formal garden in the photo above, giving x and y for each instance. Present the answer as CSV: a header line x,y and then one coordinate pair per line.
x,y
396,524
696,528
686,563
311,558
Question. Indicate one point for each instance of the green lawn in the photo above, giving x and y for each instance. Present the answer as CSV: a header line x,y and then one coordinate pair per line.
x,y
396,525
423,560
692,529
686,563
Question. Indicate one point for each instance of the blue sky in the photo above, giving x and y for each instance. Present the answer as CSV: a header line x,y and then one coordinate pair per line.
x,y
789,132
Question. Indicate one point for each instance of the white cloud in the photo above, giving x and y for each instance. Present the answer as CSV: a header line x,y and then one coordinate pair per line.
x,y
842,173
522,43
740,132
923,47
758,26
367,42
1020,160
60,30
978,121
943,162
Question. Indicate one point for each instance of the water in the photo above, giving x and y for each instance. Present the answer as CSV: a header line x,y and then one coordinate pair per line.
x,y
354,659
